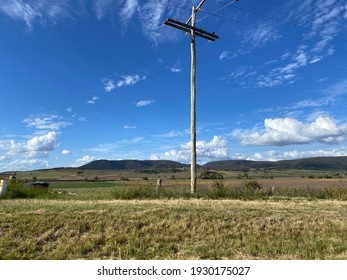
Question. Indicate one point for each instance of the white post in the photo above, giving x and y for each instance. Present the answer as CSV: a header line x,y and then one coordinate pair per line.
x,y
3,186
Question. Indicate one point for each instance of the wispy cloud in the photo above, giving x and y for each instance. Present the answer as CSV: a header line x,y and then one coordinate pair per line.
x,y
129,80
284,74
323,18
175,69
149,14
143,103
26,164
93,100
43,123
129,8
125,80
264,33
40,11
330,95
337,89
129,126
225,55
107,148
109,85
174,133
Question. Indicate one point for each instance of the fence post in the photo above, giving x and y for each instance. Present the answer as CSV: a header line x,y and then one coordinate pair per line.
x,y
3,186
159,181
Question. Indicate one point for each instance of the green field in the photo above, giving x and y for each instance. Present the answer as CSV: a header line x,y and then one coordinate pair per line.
x,y
301,219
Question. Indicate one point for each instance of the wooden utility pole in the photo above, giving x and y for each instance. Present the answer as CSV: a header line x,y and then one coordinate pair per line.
x,y
208,36
193,187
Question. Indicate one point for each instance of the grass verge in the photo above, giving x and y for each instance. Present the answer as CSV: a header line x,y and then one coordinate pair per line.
x,y
173,229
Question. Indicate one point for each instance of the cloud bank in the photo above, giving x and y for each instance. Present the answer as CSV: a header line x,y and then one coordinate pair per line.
x,y
289,131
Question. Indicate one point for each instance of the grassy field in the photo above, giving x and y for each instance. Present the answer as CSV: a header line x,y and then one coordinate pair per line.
x,y
173,229
300,218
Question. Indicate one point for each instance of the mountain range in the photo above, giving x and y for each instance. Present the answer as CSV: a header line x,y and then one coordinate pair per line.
x,y
317,163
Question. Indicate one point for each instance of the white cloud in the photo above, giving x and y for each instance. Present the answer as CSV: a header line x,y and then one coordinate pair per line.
x,y
323,18
289,131
129,9
143,103
333,91
41,11
175,69
126,80
109,85
224,55
93,100
26,164
82,119
316,59
108,148
129,80
284,74
101,6
66,152
272,155
261,35
129,126
174,133
339,88
217,148
35,147
84,160
45,143
46,122
151,16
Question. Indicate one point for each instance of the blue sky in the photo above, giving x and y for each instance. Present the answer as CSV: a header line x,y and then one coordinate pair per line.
x,y
104,79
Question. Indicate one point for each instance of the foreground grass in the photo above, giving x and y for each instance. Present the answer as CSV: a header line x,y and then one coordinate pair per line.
x,y
173,229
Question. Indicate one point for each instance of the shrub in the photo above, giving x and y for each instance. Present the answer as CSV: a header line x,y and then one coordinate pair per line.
x,y
211,175
217,189
251,185
16,190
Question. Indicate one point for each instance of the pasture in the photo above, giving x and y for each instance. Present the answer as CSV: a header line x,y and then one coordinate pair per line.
x,y
301,218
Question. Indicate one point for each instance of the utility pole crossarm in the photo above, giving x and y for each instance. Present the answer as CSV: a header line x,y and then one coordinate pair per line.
x,y
187,28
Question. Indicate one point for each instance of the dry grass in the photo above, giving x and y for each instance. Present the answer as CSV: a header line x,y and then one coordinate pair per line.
x,y
173,229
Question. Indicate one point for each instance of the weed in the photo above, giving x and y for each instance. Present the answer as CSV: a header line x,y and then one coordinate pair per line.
x,y
16,190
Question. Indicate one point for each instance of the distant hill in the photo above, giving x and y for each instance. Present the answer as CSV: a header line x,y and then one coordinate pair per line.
x,y
316,163
131,164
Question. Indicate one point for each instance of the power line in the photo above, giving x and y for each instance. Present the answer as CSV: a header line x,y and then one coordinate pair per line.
x,y
281,53
270,31
217,10
274,18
